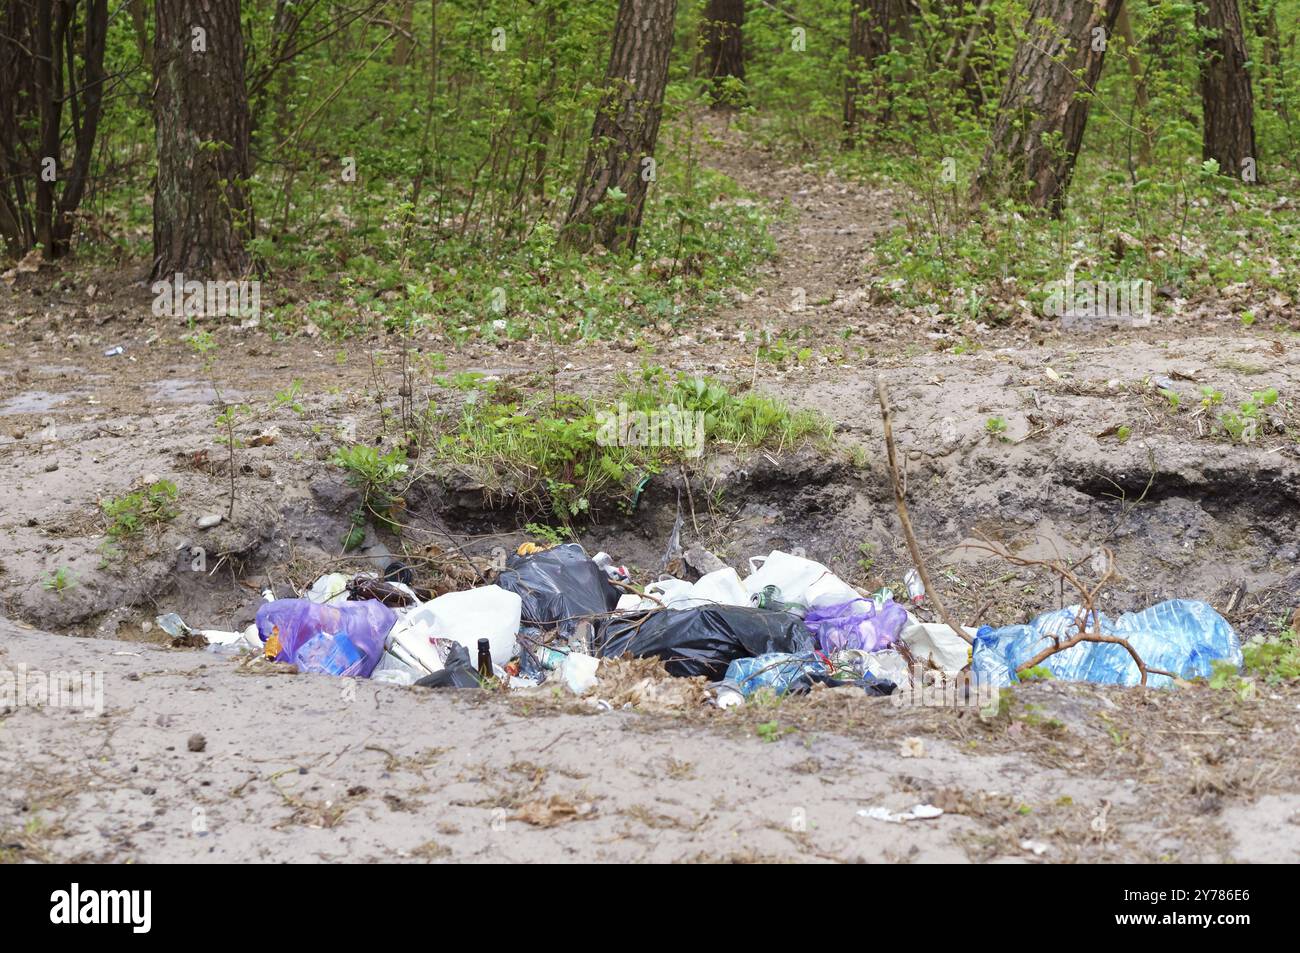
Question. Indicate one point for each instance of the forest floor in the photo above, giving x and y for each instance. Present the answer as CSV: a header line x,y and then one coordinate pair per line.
x,y
299,768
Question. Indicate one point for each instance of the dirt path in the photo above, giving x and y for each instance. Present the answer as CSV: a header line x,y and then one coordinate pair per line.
x,y
824,230
1196,776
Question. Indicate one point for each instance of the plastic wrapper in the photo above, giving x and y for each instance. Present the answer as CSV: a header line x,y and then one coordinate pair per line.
x,y
345,639
705,640
860,624
1179,636
558,586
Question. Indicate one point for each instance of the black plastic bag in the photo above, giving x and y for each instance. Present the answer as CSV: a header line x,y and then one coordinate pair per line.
x,y
705,640
871,684
456,673
558,587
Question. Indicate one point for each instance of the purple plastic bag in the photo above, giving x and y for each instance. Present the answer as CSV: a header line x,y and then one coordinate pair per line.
x,y
345,639
856,625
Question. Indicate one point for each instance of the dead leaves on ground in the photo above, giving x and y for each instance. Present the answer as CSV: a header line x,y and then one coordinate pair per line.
x,y
556,810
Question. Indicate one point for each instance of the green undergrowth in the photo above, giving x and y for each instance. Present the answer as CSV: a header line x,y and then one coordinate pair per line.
x,y
1274,659
561,458
701,239
1270,660
1006,262
131,513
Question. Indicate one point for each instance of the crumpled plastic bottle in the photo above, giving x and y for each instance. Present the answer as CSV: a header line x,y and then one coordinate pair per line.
x,y
1181,636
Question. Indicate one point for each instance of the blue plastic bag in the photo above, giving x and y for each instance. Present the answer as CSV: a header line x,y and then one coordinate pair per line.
x,y
345,639
1180,636
860,624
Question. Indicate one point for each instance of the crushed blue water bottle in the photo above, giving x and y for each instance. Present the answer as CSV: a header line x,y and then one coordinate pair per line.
x,y
1180,636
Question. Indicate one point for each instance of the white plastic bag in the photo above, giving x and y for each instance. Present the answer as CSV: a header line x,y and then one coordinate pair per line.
x,y
799,579
936,641
673,593
488,612
722,586
579,672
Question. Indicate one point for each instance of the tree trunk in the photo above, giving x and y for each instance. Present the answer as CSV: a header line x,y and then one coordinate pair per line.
x,y
201,211
722,54
40,71
87,104
873,24
17,94
625,129
404,42
140,25
1141,100
1044,106
50,25
1228,120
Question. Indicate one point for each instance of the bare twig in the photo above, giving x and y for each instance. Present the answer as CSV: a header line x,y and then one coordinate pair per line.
x,y
905,520
1087,622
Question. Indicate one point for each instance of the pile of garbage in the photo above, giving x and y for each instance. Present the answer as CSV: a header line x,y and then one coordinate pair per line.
x,y
555,614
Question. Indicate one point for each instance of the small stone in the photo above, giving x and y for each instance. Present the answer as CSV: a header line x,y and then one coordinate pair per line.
x,y
208,520
703,561
51,466
197,743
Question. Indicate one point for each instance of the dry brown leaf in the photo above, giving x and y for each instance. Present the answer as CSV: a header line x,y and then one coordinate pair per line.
x,y
644,684
557,810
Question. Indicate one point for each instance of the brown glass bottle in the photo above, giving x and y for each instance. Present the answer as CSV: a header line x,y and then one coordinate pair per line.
x,y
484,659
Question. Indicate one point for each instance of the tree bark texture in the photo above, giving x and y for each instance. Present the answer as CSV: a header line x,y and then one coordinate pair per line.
x,y
1228,110
723,52
625,129
1044,107
202,214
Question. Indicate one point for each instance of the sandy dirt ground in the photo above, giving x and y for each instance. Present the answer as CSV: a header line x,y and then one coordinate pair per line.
x,y
191,759
302,768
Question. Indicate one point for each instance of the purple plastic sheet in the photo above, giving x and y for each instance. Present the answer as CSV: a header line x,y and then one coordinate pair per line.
x,y
345,639
856,625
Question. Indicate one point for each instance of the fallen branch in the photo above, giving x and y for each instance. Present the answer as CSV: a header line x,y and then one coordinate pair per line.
x,y
905,520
